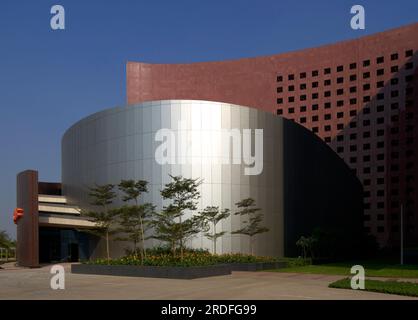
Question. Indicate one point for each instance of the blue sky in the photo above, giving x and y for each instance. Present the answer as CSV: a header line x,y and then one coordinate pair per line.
x,y
50,79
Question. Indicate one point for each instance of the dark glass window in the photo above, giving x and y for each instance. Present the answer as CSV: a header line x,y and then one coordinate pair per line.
x,y
291,77
315,73
279,78
366,63
353,65
302,75
380,60
394,56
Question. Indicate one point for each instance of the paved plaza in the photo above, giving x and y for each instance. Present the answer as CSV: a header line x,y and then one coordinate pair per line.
x,y
19,283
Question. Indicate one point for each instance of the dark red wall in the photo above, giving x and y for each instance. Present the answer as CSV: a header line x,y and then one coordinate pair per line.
x,y
255,82
27,226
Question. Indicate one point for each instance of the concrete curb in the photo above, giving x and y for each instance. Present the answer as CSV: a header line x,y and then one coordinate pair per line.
x,y
152,271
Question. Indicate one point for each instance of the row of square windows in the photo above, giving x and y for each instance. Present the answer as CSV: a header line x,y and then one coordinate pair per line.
x,y
394,192
352,113
381,205
353,136
327,94
395,215
381,229
340,103
381,157
381,169
364,123
327,82
381,180
394,155
340,68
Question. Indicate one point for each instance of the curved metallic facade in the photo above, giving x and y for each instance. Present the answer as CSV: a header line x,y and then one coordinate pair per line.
x,y
360,96
120,143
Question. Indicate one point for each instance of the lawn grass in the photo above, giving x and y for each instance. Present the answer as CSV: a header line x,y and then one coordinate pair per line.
x,y
390,287
372,268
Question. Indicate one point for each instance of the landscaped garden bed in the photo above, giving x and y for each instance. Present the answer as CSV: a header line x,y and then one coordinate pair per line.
x,y
194,264
389,287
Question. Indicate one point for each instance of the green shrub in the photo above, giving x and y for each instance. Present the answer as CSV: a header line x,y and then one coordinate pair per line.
x,y
191,257
390,287
296,262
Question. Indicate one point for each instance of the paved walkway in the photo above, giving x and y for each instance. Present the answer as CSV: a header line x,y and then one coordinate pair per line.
x,y
19,283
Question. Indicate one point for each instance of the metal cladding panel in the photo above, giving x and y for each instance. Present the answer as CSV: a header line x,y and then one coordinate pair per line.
x,y
130,154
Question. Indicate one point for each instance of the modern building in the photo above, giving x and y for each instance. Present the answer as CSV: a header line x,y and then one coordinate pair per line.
x,y
328,114
296,179
359,96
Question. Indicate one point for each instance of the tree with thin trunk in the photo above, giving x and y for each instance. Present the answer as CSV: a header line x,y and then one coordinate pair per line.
x,y
252,226
102,196
307,245
6,241
134,218
184,195
212,216
134,221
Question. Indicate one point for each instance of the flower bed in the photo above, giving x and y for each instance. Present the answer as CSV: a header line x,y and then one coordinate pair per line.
x,y
161,264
